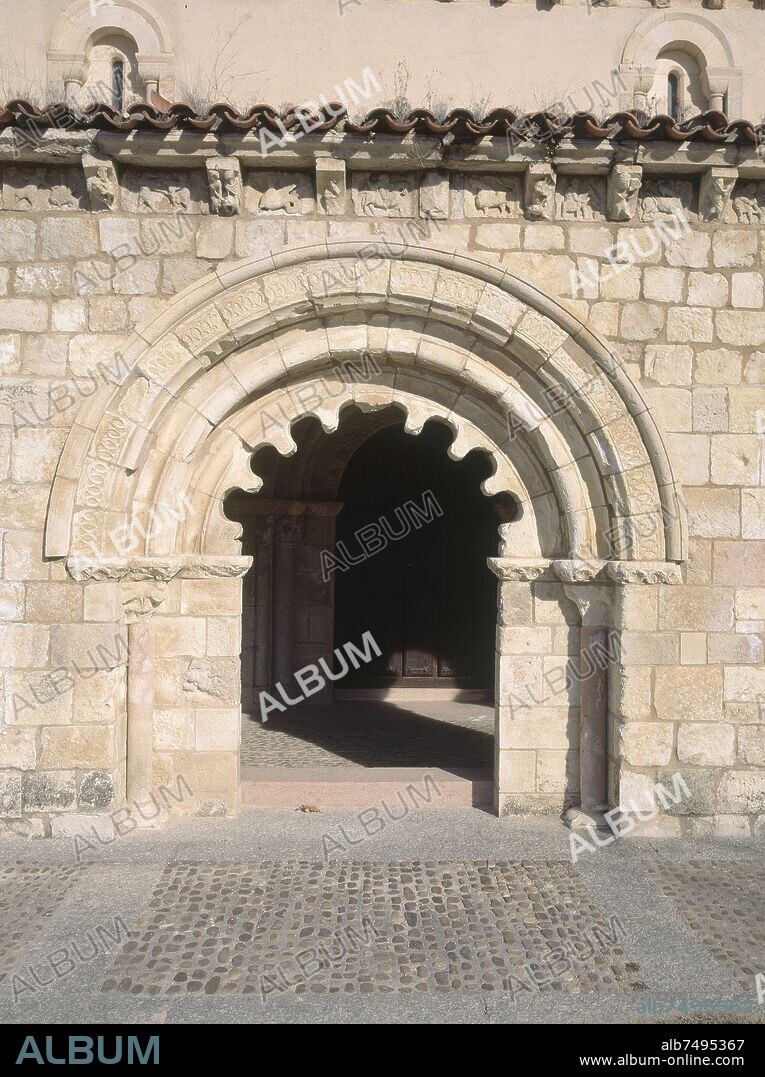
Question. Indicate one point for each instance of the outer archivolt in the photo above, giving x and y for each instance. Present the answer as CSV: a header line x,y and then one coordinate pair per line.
x,y
457,340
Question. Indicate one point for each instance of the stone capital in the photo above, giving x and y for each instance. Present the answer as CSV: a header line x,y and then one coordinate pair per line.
x,y
187,566
520,569
579,570
645,572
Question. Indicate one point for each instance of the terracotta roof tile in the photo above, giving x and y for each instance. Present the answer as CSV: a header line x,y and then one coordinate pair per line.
x,y
460,123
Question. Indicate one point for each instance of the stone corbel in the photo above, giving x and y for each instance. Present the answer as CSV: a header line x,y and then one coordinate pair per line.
x,y
715,193
623,191
224,176
331,186
539,192
101,182
714,5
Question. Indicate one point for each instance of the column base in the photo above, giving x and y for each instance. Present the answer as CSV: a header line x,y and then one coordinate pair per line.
x,y
587,818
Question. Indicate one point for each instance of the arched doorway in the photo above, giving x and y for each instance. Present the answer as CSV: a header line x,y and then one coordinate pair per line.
x,y
370,532
237,361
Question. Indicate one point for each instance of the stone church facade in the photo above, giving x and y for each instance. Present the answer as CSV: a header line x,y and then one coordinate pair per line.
x,y
576,294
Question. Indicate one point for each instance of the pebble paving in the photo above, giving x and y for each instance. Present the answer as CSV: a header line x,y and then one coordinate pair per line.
x,y
265,929
721,901
28,897
372,734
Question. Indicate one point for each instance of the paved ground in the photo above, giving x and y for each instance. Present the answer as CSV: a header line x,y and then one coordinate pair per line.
x,y
372,734
440,916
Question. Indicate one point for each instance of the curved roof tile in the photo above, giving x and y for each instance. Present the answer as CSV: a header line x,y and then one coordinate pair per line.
x,y
460,123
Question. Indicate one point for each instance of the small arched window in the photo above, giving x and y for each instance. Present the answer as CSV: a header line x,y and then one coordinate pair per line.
x,y
118,84
673,95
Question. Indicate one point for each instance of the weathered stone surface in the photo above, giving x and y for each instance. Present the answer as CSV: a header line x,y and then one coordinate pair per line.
x,y
742,791
696,609
23,315
705,744
70,238
734,248
10,793
646,744
81,746
680,693
49,790
17,240
669,364
96,792
751,744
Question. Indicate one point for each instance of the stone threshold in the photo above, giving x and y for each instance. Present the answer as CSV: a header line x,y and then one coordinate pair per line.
x,y
365,787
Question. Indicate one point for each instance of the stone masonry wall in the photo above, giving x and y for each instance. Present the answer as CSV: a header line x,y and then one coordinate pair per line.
x,y
685,313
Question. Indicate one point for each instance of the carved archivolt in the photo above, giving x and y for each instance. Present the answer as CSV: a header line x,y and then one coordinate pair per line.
x,y
241,356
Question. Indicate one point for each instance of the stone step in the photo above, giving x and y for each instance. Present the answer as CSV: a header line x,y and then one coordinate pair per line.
x,y
363,787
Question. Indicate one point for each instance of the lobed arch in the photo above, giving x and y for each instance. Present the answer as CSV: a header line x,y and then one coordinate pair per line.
x,y
454,339
686,31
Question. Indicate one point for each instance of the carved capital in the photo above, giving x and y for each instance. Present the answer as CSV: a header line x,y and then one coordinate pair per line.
x,y
187,566
520,570
579,570
645,572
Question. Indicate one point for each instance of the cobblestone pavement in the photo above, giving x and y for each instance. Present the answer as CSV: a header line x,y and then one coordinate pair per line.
x,y
445,915
364,927
720,901
372,734
28,896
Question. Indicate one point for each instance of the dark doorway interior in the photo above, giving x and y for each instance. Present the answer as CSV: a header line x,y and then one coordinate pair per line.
x,y
427,597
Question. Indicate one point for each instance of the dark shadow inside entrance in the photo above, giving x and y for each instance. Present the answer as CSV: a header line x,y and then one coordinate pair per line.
x,y
370,533
426,596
